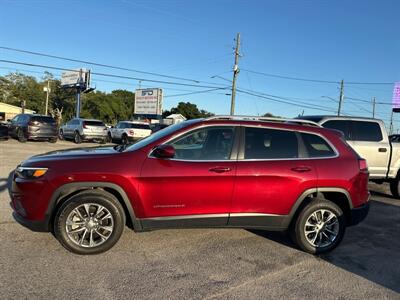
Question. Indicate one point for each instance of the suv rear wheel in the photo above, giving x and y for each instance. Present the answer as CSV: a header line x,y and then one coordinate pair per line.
x,y
21,135
124,139
395,187
319,227
77,138
90,222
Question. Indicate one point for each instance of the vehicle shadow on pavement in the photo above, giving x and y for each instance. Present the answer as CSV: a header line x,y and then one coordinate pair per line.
x,y
370,250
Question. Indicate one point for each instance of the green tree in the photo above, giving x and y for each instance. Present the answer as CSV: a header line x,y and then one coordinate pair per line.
x,y
188,110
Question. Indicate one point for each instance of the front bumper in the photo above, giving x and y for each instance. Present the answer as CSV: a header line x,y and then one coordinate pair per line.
x,y
40,226
359,214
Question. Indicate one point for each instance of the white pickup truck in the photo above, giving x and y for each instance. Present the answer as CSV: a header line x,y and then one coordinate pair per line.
x,y
368,137
126,131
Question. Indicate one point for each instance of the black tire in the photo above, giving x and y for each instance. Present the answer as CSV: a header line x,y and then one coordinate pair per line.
x,y
21,135
61,135
93,197
77,138
53,140
124,139
297,230
394,187
109,138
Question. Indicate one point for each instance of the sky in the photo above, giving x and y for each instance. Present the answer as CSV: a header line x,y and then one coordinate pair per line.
x,y
357,41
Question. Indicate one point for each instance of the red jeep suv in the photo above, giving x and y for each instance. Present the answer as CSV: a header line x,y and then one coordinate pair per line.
x,y
240,172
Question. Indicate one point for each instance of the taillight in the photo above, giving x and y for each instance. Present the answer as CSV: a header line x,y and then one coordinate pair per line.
x,y
84,125
362,164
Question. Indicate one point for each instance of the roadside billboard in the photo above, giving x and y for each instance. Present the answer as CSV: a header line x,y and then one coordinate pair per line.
x,y
76,78
148,101
396,97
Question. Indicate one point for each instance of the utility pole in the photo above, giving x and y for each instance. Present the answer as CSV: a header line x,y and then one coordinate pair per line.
x,y
47,90
340,98
391,123
373,107
235,73
78,94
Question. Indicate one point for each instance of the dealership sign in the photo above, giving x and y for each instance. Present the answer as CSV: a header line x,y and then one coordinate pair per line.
x,y
148,101
396,97
76,78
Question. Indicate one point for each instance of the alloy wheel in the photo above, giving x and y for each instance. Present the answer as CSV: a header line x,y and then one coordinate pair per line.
x,y
89,225
321,228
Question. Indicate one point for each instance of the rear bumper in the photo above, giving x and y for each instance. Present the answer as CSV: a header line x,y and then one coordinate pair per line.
x,y
90,137
359,214
42,136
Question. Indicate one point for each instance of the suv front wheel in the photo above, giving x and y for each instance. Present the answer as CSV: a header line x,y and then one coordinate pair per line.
x,y
319,227
90,222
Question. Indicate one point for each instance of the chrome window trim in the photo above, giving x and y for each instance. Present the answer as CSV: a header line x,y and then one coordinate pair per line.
x,y
297,158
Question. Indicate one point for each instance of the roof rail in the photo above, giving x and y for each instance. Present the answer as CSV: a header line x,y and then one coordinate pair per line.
x,y
264,119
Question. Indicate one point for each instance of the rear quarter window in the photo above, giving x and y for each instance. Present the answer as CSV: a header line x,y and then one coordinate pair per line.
x,y
317,146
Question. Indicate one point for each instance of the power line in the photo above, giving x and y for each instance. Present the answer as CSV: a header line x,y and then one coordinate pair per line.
x,y
197,92
315,107
108,75
316,80
96,64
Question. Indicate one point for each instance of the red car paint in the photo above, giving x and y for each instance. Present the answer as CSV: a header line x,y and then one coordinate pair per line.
x,y
167,187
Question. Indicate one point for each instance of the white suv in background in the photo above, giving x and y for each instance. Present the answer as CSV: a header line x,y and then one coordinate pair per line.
x,y
126,131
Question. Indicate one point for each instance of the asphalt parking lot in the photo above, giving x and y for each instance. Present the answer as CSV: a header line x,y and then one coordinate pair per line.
x,y
200,263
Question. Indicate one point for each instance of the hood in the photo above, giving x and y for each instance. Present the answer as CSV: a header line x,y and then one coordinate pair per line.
x,y
74,153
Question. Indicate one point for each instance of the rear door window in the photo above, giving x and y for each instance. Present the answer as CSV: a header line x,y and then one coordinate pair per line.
x,y
366,131
341,125
264,143
316,146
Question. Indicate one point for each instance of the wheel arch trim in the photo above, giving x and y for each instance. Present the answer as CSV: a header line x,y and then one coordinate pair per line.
x,y
69,188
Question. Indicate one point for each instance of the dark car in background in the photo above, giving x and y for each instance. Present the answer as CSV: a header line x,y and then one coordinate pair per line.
x,y
25,127
158,126
3,131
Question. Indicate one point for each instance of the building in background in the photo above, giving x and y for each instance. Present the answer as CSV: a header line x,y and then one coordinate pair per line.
x,y
8,111
173,119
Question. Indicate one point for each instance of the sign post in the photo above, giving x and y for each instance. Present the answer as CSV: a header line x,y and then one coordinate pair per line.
x,y
80,80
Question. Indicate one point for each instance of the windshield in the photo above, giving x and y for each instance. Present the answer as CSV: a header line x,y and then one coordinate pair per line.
x,y
159,135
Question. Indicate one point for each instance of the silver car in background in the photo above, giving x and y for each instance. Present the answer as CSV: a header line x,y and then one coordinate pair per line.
x,y
84,130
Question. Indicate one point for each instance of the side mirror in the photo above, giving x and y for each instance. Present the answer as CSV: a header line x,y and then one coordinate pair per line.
x,y
164,151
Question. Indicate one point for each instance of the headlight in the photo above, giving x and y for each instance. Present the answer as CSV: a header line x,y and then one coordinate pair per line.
x,y
30,172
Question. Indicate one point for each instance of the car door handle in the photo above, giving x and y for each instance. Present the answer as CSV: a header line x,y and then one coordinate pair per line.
x,y
382,149
219,169
301,169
